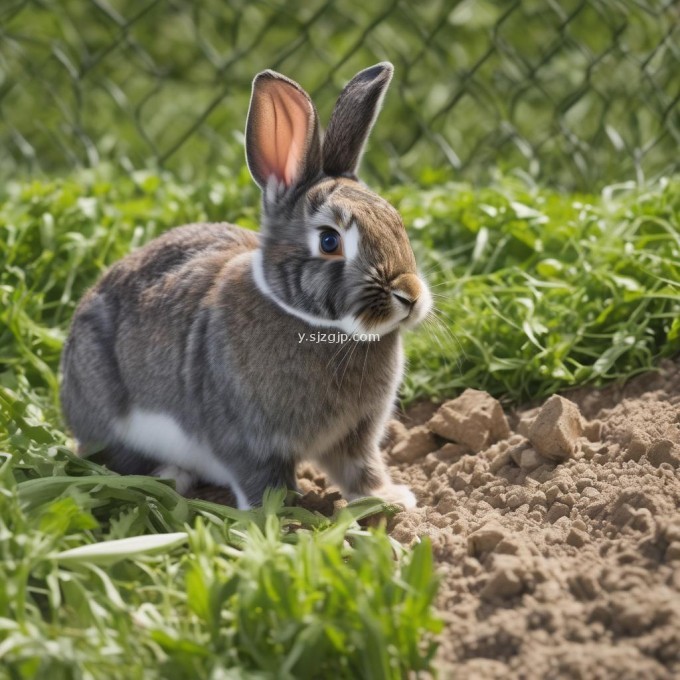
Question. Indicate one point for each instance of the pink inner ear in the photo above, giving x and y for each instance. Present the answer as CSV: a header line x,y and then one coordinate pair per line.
x,y
284,119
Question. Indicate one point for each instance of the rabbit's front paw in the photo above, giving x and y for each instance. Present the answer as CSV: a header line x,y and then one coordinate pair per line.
x,y
398,494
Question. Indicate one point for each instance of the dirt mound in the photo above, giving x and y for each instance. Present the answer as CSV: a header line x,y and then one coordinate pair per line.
x,y
558,541
556,529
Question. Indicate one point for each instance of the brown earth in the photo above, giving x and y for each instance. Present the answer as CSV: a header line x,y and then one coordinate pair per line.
x,y
556,532
556,529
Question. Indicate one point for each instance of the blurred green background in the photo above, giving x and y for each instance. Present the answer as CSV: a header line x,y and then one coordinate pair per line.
x,y
575,94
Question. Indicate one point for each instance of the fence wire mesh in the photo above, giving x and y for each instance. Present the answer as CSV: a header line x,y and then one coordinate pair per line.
x,y
576,93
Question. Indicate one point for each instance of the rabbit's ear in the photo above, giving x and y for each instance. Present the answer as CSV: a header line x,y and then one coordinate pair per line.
x,y
282,132
352,119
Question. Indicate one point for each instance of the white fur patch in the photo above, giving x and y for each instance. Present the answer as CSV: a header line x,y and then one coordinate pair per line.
x,y
184,480
351,241
313,242
160,436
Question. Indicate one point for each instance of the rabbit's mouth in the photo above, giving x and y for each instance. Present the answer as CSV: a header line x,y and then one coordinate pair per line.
x,y
405,305
420,309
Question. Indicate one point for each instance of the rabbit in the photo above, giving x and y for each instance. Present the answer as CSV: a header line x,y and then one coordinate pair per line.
x,y
191,357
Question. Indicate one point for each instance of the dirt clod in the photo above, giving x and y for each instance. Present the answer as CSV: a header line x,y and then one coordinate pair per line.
x,y
502,584
475,419
530,460
395,432
485,539
663,451
417,443
556,429
451,452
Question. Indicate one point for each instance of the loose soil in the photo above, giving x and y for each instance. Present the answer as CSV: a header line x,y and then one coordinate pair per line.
x,y
556,529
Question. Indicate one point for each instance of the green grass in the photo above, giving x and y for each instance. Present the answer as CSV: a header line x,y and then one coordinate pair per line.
x,y
536,292
120,577
539,292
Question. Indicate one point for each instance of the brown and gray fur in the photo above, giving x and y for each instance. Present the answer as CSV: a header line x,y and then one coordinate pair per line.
x,y
180,332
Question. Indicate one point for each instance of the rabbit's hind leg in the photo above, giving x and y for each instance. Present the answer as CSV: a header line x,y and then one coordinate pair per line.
x,y
273,472
126,461
121,459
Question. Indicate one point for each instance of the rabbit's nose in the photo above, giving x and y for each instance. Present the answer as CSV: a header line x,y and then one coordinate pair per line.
x,y
406,289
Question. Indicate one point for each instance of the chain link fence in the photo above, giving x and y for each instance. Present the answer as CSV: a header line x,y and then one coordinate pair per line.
x,y
575,93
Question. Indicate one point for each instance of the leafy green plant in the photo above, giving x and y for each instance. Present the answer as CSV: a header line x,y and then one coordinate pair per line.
x,y
106,577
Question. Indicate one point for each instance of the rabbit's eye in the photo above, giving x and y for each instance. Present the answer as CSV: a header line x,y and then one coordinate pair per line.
x,y
330,243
